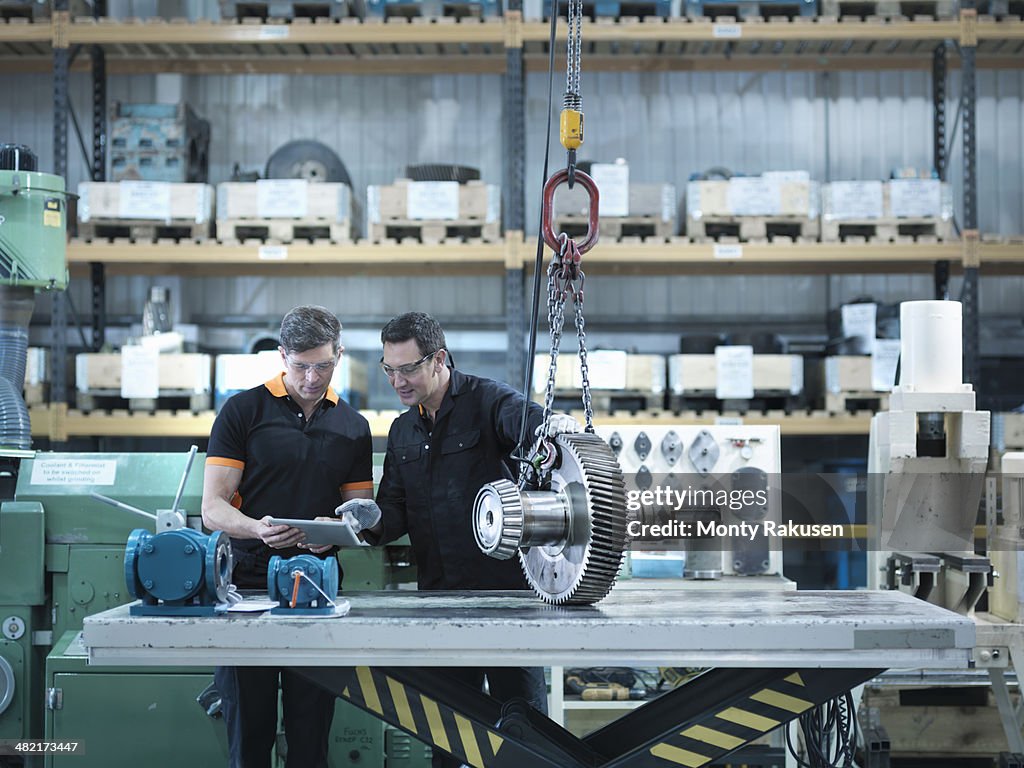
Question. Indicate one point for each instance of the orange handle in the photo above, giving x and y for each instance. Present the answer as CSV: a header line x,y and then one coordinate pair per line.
x,y
295,590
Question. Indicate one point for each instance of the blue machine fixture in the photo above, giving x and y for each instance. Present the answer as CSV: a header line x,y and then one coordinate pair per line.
x,y
180,573
303,585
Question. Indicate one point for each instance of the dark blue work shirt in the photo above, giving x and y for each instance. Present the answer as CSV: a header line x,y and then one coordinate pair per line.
x,y
432,472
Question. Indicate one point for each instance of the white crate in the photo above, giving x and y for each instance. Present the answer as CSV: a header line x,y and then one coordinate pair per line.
x,y
895,199
156,201
407,200
698,374
284,199
753,196
610,370
100,372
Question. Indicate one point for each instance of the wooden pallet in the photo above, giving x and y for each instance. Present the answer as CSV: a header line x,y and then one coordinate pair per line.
x,y
283,230
285,10
169,399
939,9
887,230
697,402
12,12
750,228
748,9
617,9
1002,9
615,228
470,9
141,230
843,402
435,231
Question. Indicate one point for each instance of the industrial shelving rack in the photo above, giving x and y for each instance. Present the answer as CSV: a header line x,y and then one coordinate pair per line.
x,y
512,47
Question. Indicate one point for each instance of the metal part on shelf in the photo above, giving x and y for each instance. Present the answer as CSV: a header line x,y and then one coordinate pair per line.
x,y
441,172
309,160
571,538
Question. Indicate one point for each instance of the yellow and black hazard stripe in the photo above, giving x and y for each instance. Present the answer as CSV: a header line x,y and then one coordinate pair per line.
x,y
429,720
731,726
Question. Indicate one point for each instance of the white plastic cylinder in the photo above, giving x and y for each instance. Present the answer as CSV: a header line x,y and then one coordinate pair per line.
x,y
931,346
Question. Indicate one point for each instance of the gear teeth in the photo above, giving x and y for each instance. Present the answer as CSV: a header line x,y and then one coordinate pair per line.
x,y
602,560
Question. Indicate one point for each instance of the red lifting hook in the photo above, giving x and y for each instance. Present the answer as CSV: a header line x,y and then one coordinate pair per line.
x,y
546,228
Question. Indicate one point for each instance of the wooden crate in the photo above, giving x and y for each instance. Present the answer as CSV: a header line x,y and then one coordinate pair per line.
x,y
652,213
846,217
144,210
284,210
698,374
947,721
726,208
848,385
101,373
1013,431
432,212
610,370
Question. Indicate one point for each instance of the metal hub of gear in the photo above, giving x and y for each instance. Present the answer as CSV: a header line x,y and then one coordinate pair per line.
x,y
571,538
499,519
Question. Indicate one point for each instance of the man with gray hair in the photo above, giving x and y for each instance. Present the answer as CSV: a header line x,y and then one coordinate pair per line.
x,y
289,447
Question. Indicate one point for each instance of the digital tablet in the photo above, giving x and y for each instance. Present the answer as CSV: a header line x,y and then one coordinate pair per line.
x,y
321,532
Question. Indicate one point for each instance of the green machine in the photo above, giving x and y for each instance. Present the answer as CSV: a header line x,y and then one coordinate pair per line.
x,y
33,225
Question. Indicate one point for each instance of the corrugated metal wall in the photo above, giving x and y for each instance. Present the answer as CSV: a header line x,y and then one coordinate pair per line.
x,y
846,125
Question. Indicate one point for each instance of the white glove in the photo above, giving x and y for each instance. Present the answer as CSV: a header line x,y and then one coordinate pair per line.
x,y
559,424
233,597
360,514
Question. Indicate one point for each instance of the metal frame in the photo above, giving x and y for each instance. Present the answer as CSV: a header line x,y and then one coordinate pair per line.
x,y
939,148
58,314
514,188
970,234
697,723
514,174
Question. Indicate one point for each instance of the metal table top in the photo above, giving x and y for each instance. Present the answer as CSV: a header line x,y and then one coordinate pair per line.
x,y
730,628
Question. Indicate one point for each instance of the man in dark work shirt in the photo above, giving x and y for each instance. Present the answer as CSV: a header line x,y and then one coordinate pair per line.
x,y
287,448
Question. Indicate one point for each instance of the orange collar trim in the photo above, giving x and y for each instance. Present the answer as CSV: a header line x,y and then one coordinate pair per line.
x,y
277,389
276,386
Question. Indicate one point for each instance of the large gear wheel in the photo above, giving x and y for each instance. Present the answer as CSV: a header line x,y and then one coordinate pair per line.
x,y
570,539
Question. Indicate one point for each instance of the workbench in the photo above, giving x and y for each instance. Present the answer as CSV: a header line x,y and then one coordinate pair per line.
x,y
775,654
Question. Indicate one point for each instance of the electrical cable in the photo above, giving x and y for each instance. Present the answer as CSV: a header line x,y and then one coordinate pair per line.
x,y
830,734
519,454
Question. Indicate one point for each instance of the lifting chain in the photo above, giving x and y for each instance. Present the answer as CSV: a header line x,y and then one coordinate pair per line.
x,y
565,279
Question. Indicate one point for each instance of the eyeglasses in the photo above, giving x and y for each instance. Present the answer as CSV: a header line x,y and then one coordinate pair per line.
x,y
406,370
318,368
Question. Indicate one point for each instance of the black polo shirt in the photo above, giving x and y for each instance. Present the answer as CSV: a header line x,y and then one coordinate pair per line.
x,y
433,470
291,467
